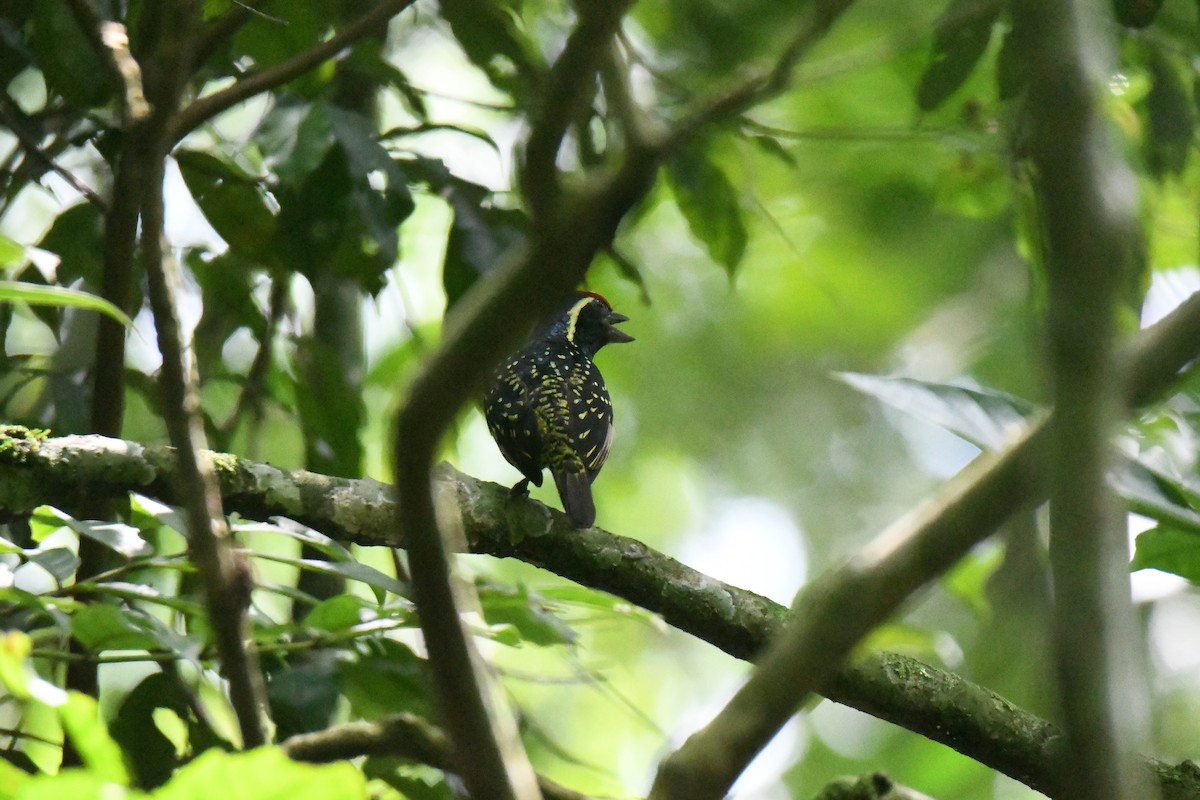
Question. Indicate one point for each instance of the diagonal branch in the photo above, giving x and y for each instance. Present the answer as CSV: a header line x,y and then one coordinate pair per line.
x,y
833,613
207,107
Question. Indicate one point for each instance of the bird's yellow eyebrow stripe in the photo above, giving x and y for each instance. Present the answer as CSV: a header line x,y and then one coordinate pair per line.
x,y
573,317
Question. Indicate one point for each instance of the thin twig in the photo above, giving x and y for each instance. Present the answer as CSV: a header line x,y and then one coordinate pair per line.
x,y
402,735
32,148
205,108
225,577
250,397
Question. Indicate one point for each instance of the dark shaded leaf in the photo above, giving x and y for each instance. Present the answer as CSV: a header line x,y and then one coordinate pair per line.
x,y
1012,62
1171,117
389,680
150,754
489,34
342,219
1136,13
295,138
303,696
479,237
77,238
68,63
983,417
709,203
232,201
960,38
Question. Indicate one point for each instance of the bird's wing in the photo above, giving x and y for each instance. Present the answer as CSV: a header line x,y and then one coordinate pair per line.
x,y
514,425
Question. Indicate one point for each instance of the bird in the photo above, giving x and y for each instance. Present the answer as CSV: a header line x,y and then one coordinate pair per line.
x,y
547,405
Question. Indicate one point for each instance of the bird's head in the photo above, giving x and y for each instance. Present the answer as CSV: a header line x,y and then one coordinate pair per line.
x,y
589,322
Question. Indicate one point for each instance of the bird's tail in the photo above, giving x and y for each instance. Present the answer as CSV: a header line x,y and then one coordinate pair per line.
x,y
575,491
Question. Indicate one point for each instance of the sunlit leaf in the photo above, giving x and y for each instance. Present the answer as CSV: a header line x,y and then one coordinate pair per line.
x,y
351,570
262,774
81,720
11,253
36,295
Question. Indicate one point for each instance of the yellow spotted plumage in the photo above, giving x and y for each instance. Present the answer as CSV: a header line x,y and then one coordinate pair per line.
x,y
548,406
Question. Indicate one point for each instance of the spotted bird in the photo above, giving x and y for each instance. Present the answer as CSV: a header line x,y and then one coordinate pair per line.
x,y
548,405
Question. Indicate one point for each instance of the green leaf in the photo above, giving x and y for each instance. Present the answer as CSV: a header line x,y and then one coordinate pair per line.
x,y
100,627
983,417
262,774
151,755
18,676
303,696
1156,495
1168,549
81,721
1171,117
388,680
351,570
489,34
232,201
60,562
480,234
526,613
709,203
70,66
116,536
1136,13
11,253
337,613
960,38
36,295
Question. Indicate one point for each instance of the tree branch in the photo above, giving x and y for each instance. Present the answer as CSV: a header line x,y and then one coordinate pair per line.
x,y
205,108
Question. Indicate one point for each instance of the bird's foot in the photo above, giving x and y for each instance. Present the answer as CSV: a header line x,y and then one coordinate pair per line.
x,y
520,489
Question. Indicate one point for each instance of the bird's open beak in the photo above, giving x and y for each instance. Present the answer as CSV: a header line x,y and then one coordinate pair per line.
x,y
613,335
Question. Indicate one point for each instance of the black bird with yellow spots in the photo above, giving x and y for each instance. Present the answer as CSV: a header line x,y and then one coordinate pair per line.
x,y
548,406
